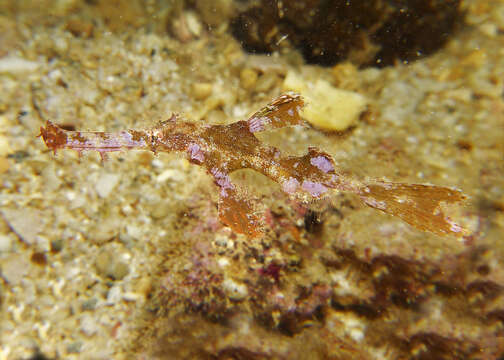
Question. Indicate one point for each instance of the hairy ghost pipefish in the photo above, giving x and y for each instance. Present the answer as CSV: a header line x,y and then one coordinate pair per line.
x,y
222,149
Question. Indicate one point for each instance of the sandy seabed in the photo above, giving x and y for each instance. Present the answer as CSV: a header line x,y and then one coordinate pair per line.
x,y
127,259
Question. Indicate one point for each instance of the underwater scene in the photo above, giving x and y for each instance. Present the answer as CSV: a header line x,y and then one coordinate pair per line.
x,y
251,179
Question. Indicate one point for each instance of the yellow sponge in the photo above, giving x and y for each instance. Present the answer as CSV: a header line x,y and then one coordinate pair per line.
x,y
327,107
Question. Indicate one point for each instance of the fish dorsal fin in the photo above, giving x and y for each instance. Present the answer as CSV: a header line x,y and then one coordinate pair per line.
x,y
284,110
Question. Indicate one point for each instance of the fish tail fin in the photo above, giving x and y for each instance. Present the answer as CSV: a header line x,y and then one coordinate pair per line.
x,y
418,205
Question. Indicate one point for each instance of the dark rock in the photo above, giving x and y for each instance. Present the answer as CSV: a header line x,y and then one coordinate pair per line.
x,y
368,33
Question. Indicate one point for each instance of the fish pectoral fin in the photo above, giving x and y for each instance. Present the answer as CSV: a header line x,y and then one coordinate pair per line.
x,y
238,212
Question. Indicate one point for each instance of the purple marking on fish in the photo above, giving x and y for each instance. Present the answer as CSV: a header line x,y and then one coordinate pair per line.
x,y
222,179
322,163
196,153
453,226
257,124
376,204
290,186
314,188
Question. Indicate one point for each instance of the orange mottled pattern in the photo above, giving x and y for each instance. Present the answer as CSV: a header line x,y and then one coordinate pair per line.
x,y
222,149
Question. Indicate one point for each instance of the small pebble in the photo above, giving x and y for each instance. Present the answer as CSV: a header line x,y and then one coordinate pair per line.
x,y
181,29
25,221
56,245
89,325
102,262
18,156
37,165
43,244
105,230
39,258
119,270
109,266
171,174
475,58
80,28
224,241
266,82
248,78
13,65
134,231
15,268
4,165
201,91
144,158
5,243
193,23
161,210
74,348
89,304
114,295
5,124
144,286
235,290
223,262
106,183
345,76
4,146
489,29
